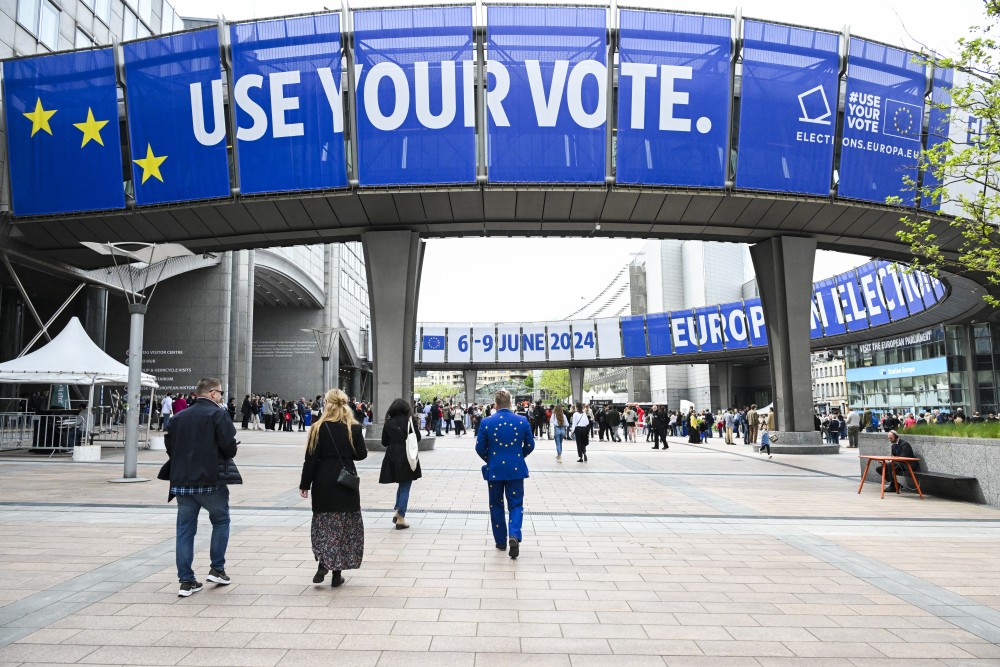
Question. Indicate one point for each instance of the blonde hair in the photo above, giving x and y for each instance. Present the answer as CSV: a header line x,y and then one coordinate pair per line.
x,y
335,409
560,417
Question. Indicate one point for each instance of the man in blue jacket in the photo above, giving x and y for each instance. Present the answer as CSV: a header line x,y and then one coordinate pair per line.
x,y
504,441
200,441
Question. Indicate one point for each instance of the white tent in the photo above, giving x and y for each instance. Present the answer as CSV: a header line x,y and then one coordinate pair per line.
x,y
69,358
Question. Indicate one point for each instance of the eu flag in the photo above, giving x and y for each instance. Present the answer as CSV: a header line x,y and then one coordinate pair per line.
x,y
433,342
176,118
62,133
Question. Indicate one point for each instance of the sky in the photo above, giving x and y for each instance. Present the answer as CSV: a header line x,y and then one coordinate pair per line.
x,y
500,279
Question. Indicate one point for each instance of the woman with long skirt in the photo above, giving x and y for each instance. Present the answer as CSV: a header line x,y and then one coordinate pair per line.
x,y
335,442
395,466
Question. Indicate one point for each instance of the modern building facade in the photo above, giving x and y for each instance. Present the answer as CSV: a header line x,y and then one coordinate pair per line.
x,y
829,381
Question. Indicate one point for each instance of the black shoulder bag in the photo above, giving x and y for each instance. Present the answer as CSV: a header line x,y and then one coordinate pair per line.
x,y
346,477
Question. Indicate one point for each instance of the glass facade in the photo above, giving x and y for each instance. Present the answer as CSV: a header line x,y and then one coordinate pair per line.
x,y
353,307
901,386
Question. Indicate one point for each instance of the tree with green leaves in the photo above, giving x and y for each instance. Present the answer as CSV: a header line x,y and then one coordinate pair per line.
x,y
963,176
555,384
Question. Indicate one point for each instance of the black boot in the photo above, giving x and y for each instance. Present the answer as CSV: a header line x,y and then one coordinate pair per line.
x,y
337,580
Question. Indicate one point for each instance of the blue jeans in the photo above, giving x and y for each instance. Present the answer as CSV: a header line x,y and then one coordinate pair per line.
x,y
513,489
188,507
560,433
403,496
437,427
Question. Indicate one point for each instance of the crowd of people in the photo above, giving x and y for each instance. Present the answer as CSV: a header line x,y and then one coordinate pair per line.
x,y
836,426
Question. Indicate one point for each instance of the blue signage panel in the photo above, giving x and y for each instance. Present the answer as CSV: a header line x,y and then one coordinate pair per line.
x,y
882,123
415,96
546,102
634,336
684,331
755,317
892,290
905,369
62,133
176,118
878,311
673,99
658,331
289,110
938,129
710,337
735,328
788,108
851,303
828,302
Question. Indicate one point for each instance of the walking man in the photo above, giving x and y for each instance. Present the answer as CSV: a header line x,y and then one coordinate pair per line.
x,y
200,441
504,441
166,409
753,423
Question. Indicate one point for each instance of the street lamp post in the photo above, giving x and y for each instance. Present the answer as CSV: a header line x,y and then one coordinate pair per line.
x,y
327,339
134,263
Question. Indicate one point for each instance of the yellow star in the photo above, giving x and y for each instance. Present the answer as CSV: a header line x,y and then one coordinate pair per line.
x,y
91,129
40,118
151,165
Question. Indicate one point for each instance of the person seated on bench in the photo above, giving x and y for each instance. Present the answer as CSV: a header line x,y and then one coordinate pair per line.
x,y
79,433
900,447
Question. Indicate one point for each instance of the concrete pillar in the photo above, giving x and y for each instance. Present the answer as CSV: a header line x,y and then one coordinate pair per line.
x,y
251,288
469,375
240,335
225,278
576,384
721,385
392,260
95,314
784,268
331,312
356,388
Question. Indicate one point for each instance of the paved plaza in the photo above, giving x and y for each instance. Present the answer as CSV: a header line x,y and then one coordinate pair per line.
x,y
699,555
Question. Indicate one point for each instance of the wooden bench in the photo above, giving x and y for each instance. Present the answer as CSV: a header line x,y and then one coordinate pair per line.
x,y
960,487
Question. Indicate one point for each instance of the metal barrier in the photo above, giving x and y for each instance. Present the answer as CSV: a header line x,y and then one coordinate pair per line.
x,y
15,430
59,433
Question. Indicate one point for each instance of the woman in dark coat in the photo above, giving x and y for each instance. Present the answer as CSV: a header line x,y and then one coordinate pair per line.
x,y
395,466
335,442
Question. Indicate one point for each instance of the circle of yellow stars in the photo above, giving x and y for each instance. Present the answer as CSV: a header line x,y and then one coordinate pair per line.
x,y
903,114
91,129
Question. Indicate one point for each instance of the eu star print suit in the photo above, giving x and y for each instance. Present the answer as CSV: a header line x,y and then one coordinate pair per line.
x,y
504,441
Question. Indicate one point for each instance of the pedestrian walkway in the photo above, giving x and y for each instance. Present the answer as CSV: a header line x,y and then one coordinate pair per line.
x,y
698,555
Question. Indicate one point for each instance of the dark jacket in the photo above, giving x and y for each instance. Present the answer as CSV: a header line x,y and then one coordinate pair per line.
x,y
200,438
321,467
902,448
395,467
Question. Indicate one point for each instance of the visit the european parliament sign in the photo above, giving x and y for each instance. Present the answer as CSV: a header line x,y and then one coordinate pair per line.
x,y
422,97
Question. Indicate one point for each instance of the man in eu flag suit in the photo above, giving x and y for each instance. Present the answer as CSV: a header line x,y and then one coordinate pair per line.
x,y
504,441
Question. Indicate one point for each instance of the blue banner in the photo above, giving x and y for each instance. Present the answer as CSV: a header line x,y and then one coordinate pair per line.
x,y
633,336
735,328
883,116
828,301
710,337
684,331
938,130
788,108
176,118
415,96
878,311
906,369
851,303
673,99
63,140
546,100
892,290
755,318
289,109
658,331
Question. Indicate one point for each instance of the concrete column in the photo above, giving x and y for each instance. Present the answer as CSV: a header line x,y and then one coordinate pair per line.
x,y
784,268
392,260
576,384
240,353
356,385
331,311
721,385
251,288
225,284
95,314
469,376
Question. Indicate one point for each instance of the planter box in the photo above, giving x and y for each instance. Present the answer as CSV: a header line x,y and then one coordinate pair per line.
x,y
87,453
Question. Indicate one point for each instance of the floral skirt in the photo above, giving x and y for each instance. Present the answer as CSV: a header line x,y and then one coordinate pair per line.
x,y
338,539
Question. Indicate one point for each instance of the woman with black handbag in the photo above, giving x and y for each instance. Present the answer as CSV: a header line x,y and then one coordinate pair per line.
x,y
335,442
395,466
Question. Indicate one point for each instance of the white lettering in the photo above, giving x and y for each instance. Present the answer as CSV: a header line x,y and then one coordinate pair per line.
x,y
252,109
574,94
495,97
333,95
547,106
423,98
757,321
639,72
469,90
394,73
670,98
871,297
280,104
198,115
